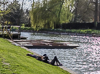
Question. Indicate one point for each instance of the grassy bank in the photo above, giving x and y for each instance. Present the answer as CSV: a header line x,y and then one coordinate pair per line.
x,y
13,60
85,31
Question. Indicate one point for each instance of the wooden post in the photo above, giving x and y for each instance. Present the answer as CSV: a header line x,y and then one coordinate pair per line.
x,y
19,33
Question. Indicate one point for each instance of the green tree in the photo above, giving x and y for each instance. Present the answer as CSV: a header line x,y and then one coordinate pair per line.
x,y
66,14
3,11
50,13
15,13
84,11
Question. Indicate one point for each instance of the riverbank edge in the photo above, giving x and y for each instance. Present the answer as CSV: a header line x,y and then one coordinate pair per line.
x,y
63,33
62,67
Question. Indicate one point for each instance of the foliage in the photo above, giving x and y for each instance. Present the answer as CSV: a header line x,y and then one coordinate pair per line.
x,y
15,13
84,11
7,22
13,60
23,25
50,13
85,31
66,15
25,19
3,11
26,28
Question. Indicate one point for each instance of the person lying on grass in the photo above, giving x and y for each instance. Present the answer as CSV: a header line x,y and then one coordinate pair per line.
x,y
45,59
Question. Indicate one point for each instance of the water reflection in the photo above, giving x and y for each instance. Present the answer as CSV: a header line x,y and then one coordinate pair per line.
x,y
83,60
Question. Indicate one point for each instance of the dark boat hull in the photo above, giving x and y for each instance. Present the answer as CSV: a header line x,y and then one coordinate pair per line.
x,y
52,47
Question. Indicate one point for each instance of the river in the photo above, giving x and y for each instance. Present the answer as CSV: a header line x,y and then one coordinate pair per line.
x,y
84,59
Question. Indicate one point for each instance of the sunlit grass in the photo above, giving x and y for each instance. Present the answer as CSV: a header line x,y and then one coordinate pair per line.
x,y
13,60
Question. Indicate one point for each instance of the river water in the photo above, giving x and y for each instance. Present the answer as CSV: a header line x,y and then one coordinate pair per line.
x,y
84,59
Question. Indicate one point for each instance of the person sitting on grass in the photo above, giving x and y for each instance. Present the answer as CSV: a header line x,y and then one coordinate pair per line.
x,y
45,59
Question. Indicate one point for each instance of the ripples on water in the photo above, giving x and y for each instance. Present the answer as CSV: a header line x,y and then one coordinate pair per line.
x,y
83,60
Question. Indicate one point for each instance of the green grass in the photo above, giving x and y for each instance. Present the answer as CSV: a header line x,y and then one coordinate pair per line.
x,y
13,60
26,28
85,31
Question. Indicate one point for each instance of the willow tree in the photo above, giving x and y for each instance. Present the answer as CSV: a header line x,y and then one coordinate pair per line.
x,y
66,14
48,13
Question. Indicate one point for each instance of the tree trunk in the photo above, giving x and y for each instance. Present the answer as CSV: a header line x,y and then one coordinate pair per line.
x,y
96,14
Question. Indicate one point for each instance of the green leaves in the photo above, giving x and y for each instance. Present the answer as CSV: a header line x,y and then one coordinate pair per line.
x,y
50,13
66,14
12,13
